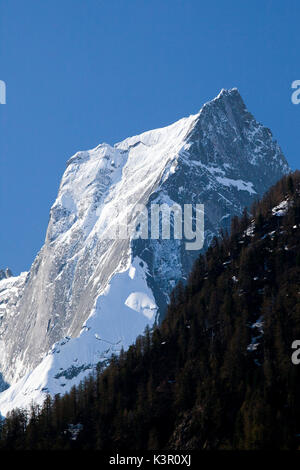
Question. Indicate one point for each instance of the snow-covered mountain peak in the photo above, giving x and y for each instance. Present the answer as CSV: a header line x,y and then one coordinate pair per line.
x,y
5,273
100,292
231,93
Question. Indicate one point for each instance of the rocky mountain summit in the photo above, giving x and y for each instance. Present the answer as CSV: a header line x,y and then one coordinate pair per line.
x,y
5,273
88,294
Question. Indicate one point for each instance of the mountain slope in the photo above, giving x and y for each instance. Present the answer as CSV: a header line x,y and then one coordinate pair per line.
x,y
217,373
66,318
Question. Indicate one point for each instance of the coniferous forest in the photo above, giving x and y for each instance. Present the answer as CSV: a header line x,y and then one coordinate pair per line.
x,y
217,373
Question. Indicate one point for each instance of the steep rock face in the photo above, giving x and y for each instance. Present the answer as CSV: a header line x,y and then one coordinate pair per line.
x,y
88,293
10,290
227,160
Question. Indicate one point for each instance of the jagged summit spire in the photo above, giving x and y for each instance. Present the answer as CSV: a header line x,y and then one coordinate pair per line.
x,y
5,273
230,95
228,91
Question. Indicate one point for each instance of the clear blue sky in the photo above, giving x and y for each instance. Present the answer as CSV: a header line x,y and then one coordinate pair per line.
x,y
80,72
